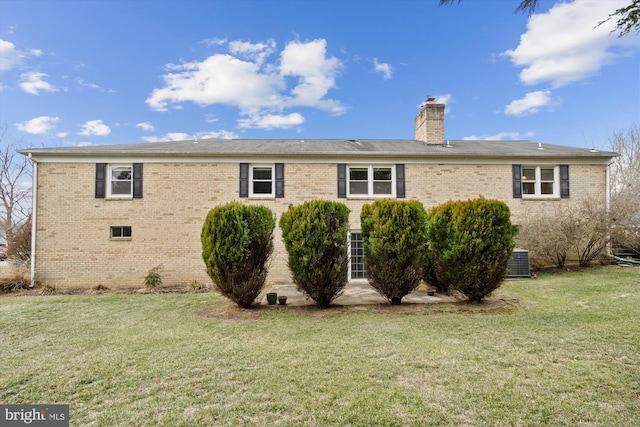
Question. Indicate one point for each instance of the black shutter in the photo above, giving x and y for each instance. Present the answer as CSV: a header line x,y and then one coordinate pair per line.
x,y
342,180
137,180
279,179
564,181
517,181
244,179
101,169
400,193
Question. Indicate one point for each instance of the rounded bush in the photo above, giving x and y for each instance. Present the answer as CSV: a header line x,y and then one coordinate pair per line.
x,y
470,243
315,235
237,241
394,243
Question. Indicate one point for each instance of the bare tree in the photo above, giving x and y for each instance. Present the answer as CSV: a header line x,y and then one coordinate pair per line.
x,y
625,188
15,187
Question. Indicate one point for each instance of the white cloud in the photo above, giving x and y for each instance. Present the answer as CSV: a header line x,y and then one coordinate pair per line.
x,y
146,126
271,121
531,103
33,82
219,79
39,125
10,56
501,136
246,80
223,134
258,52
95,127
181,136
315,72
384,68
566,44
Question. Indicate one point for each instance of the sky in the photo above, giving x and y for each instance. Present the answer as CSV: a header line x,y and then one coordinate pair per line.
x,y
79,72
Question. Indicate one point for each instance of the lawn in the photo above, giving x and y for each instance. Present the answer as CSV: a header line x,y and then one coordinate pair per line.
x,y
567,354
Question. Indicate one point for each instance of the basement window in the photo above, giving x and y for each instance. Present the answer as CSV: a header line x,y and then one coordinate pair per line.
x,y
356,252
121,232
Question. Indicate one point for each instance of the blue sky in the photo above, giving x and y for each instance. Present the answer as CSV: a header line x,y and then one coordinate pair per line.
x,y
106,72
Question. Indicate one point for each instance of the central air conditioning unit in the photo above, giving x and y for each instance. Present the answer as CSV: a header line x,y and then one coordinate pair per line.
x,y
519,265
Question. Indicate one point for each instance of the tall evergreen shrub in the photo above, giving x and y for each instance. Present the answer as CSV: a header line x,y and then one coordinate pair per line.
x,y
394,243
315,235
237,241
470,245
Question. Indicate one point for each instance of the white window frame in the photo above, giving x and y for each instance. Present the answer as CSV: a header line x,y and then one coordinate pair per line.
x,y
370,181
273,181
538,182
351,256
122,229
110,180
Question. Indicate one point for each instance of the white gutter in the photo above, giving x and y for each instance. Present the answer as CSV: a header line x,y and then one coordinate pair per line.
x,y
34,199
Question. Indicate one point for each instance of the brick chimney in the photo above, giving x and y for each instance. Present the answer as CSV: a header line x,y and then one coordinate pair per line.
x,y
430,123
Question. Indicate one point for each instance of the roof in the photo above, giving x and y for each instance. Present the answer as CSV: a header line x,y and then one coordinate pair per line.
x,y
322,148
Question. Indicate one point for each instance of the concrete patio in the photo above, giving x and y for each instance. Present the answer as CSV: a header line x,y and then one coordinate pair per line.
x,y
355,294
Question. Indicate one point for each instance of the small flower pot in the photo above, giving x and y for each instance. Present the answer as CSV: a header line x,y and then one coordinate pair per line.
x,y
272,297
282,300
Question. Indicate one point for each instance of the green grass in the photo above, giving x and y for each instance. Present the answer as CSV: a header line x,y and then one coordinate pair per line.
x,y
569,355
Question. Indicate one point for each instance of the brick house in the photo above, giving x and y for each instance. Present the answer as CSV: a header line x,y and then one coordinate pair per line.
x,y
108,214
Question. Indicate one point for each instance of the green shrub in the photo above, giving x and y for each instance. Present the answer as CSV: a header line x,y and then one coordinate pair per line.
x,y
438,229
315,235
153,279
394,243
237,241
470,243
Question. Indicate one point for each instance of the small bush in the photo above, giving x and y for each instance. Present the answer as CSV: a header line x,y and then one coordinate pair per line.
x,y
315,235
16,279
153,279
576,232
237,241
20,244
394,243
470,245
100,288
196,285
48,289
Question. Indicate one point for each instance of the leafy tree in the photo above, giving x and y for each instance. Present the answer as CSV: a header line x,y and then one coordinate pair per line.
x,y
628,18
315,235
394,243
237,241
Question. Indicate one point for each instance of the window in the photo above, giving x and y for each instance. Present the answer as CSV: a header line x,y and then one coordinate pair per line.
x,y
356,265
119,180
121,232
262,180
540,181
371,181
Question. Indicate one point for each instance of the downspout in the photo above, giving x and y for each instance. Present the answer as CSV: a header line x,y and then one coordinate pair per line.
x,y
608,205
34,202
